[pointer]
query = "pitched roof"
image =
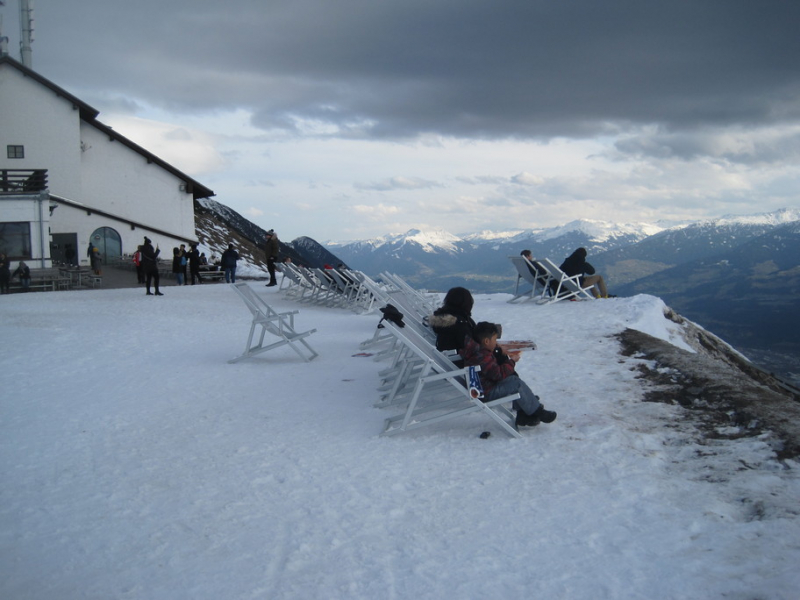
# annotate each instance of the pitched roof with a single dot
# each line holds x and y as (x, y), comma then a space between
(89, 115)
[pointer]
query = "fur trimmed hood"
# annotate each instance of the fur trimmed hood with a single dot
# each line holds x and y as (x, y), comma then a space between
(438, 319)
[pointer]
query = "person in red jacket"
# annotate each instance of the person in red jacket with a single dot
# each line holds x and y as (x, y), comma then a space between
(499, 378)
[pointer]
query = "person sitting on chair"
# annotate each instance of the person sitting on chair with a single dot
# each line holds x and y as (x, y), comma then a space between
(453, 321)
(499, 378)
(575, 264)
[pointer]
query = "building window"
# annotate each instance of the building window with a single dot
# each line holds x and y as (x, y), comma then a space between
(16, 151)
(15, 240)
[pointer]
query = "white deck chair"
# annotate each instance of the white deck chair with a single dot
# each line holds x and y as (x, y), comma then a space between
(430, 401)
(280, 325)
(298, 287)
(425, 303)
(566, 287)
(540, 284)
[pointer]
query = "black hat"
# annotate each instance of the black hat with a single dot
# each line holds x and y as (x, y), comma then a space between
(146, 240)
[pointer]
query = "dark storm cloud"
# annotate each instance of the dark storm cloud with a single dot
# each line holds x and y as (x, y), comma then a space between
(468, 68)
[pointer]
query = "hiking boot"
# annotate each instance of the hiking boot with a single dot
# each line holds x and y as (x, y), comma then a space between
(525, 420)
(544, 415)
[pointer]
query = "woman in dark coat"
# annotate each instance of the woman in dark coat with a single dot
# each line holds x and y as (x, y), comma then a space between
(453, 321)
(575, 264)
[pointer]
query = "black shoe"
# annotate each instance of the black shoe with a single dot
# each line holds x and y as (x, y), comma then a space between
(271, 283)
(148, 294)
(545, 416)
(159, 294)
(525, 420)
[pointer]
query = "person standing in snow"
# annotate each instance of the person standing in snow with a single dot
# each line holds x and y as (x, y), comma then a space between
(150, 265)
(271, 248)
(228, 264)
(177, 266)
(575, 264)
(194, 263)
(499, 378)
(184, 263)
(5, 274)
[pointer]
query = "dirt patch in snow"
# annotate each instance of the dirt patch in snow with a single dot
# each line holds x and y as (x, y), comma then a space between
(728, 397)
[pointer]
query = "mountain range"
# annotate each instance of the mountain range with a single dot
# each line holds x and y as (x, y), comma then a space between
(737, 276)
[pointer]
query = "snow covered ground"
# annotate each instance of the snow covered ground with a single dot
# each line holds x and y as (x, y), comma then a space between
(137, 463)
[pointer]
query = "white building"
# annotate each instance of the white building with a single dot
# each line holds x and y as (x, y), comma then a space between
(67, 180)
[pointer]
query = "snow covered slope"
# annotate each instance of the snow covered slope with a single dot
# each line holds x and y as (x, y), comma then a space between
(137, 463)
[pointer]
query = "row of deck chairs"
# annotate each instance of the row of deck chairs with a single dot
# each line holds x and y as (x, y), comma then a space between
(548, 283)
(340, 288)
(422, 384)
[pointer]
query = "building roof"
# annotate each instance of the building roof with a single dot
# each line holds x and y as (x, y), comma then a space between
(89, 115)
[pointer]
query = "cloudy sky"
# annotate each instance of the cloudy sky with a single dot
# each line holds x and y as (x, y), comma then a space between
(347, 119)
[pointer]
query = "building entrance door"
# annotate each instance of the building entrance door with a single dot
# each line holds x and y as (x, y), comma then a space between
(64, 249)
(108, 242)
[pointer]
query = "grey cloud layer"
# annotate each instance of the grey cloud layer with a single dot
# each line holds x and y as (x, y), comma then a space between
(468, 68)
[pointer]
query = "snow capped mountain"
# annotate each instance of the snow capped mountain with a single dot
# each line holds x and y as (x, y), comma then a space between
(779, 217)
(602, 231)
(428, 241)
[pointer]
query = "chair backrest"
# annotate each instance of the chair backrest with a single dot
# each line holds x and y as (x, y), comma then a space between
(248, 296)
(564, 281)
(423, 348)
(526, 269)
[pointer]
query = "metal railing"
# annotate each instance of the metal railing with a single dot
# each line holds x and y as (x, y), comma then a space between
(22, 181)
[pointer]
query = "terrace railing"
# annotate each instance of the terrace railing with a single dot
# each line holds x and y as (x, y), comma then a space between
(22, 181)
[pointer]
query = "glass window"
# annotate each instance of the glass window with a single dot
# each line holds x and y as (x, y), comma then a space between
(16, 151)
(15, 240)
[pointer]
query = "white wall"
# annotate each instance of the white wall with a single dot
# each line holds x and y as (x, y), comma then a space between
(36, 211)
(120, 181)
(47, 125)
(87, 167)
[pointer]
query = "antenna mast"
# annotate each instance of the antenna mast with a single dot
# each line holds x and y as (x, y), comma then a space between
(26, 31)
(3, 39)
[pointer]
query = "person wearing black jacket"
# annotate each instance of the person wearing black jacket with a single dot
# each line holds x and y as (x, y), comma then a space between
(150, 265)
(228, 263)
(453, 321)
(5, 274)
(194, 263)
(575, 264)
